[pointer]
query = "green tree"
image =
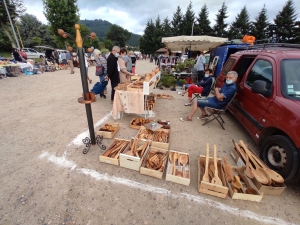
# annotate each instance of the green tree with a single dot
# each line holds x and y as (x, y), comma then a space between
(188, 20)
(118, 35)
(220, 26)
(108, 44)
(148, 42)
(260, 25)
(15, 8)
(166, 28)
(61, 14)
(285, 23)
(202, 26)
(33, 32)
(240, 26)
(177, 22)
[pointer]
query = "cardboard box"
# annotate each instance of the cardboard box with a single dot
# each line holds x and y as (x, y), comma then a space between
(142, 124)
(267, 190)
(109, 160)
(151, 172)
(164, 145)
(209, 188)
(176, 179)
(132, 162)
(243, 196)
(107, 134)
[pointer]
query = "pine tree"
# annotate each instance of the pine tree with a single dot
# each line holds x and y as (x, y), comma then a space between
(147, 44)
(188, 20)
(240, 26)
(260, 25)
(220, 26)
(285, 23)
(202, 26)
(177, 22)
(166, 28)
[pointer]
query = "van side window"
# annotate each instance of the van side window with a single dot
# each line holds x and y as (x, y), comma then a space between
(261, 70)
(228, 65)
(243, 65)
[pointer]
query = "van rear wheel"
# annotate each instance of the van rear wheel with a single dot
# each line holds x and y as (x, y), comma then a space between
(280, 154)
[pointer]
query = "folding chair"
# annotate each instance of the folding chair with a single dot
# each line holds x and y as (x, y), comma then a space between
(198, 95)
(218, 113)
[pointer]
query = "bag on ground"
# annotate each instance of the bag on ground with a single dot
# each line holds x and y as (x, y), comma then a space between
(99, 87)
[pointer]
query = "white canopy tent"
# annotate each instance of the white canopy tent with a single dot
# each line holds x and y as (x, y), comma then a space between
(194, 43)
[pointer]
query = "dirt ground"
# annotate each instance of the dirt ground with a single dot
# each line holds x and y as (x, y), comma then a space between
(45, 178)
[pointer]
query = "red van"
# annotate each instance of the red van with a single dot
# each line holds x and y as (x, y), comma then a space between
(267, 103)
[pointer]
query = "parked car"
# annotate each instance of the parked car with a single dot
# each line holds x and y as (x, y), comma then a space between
(267, 103)
(31, 53)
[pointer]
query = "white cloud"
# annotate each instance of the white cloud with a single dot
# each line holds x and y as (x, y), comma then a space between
(134, 14)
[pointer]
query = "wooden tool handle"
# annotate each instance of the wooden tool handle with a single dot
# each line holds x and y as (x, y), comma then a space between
(215, 161)
(206, 161)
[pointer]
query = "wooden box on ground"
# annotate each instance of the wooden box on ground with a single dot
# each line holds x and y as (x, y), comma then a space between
(209, 188)
(151, 172)
(130, 161)
(165, 124)
(137, 123)
(113, 160)
(106, 133)
(243, 196)
(145, 133)
(267, 190)
(161, 138)
(177, 179)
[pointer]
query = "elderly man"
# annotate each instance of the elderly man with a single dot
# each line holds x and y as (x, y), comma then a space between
(112, 70)
(222, 96)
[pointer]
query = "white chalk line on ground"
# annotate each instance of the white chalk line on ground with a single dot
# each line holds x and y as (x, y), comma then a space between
(83, 135)
(65, 163)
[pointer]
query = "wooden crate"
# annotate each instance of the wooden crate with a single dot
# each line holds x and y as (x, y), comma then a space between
(107, 134)
(177, 179)
(164, 145)
(109, 160)
(137, 127)
(267, 190)
(142, 128)
(243, 196)
(150, 172)
(132, 162)
(209, 188)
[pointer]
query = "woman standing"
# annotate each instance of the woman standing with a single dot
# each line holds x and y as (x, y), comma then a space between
(123, 69)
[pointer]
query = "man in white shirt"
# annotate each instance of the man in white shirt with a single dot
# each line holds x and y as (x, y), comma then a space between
(200, 66)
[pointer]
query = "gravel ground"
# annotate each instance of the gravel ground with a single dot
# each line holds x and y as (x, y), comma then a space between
(45, 178)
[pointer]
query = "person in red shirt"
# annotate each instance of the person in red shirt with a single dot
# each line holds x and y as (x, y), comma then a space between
(23, 54)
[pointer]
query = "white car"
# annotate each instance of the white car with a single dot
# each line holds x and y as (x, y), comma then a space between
(31, 53)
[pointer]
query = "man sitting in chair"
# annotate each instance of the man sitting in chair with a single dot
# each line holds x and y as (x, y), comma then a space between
(222, 96)
(203, 87)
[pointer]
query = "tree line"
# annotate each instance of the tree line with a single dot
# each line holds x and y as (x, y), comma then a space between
(283, 28)
(60, 15)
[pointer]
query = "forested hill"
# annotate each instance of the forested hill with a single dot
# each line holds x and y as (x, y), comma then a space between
(100, 27)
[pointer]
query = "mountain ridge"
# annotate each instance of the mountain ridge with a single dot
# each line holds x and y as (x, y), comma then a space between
(100, 27)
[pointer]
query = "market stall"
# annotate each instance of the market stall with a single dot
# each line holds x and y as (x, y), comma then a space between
(193, 43)
(133, 97)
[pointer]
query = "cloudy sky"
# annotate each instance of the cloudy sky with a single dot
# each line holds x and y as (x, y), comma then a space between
(134, 14)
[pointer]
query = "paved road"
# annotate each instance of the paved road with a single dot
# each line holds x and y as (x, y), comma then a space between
(45, 178)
